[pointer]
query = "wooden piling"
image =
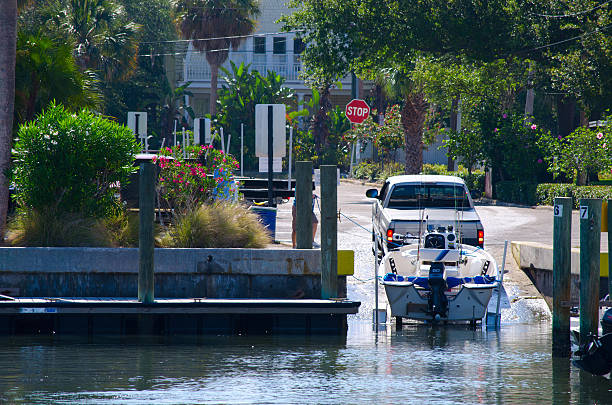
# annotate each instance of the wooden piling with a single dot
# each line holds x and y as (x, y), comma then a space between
(146, 280)
(303, 197)
(329, 232)
(609, 250)
(562, 261)
(590, 238)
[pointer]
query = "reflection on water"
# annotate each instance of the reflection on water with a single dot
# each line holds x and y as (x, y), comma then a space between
(414, 365)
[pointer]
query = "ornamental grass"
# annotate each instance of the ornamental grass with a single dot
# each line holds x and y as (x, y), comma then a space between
(49, 228)
(217, 225)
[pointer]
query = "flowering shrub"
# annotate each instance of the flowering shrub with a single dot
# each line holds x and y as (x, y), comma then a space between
(581, 152)
(206, 174)
(69, 162)
(510, 145)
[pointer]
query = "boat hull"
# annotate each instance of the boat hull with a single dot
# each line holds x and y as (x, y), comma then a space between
(469, 304)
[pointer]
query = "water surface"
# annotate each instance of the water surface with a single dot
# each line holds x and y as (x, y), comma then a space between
(415, 365)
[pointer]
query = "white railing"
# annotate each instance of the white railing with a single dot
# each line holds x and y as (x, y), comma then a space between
(197, 69)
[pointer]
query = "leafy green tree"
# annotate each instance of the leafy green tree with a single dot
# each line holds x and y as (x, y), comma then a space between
(581, 69)
(243, 89)
(71, 163)
(215, 26)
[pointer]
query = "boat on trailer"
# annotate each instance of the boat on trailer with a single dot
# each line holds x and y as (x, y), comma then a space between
(440, 279)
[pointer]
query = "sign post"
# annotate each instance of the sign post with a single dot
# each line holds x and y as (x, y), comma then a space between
(270, 138)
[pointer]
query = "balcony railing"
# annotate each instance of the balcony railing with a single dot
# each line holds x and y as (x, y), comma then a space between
(196, 67)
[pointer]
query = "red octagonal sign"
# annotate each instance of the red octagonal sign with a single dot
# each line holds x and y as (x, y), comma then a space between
(357, 111)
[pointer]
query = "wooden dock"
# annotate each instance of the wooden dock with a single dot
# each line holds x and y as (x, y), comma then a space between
(196, 316)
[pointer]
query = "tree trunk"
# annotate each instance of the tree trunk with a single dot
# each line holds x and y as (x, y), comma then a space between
(31, 106)
(214, 77)
(566, 110)
(320, 125)
(450, 163)
(413, 118)
(8, 43)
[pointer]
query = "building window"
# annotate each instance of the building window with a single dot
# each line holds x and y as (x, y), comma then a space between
(259, 45)
(298, 46)
(279, 45)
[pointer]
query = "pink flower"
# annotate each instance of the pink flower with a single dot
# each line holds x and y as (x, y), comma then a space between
(539, 160)
(599, 135)
(505, 115)
(495, 130)
(560, 137)
(534, 126)
(604, 145)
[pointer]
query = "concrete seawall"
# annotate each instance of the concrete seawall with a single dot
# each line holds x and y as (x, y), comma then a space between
(536, 260)
(179, 273)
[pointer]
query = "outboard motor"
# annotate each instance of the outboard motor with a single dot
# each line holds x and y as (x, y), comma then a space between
(595, 355)
(437, 303)
(606, 322)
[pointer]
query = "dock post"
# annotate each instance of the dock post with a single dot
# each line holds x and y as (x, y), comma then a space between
(146, 210)
(590, 238)
(562, 262)
(609, 250)
(329, 231)
(303, 202)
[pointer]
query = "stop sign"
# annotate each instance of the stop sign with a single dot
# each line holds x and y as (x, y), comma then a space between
(357, 111)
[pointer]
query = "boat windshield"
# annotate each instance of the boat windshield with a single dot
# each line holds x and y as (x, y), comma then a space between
(429, 196)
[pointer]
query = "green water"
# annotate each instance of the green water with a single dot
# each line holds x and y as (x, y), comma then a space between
(415, 365)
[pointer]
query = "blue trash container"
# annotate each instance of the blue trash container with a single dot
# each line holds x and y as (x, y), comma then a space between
(267, 216)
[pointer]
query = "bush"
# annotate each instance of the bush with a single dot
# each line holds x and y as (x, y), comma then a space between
(48, 228)
(374, 172)
(517, 192)
(70, 162)
(219, 225)
(474, 181)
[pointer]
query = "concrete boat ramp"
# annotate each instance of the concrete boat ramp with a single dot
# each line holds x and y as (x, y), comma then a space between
(196, 316)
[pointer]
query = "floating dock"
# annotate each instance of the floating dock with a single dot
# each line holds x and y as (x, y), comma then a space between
(196, 316)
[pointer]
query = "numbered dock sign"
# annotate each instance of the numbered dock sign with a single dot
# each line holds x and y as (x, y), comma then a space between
(584, 212)
(558, 210)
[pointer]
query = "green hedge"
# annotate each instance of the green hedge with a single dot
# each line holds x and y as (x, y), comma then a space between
(547, 192)
(517, 192)
(474, 181)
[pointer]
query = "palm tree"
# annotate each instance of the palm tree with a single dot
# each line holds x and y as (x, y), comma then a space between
(227, 21)
(8, 33)
(414, 110)
(46, 71)
(106, 41)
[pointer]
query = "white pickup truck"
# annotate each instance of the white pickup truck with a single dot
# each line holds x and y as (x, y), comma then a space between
(407, 205)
